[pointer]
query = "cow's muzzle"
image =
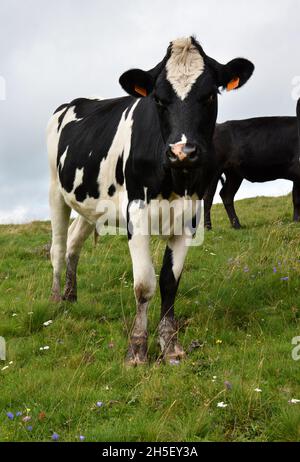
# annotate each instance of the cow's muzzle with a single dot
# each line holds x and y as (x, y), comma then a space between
(183, 154)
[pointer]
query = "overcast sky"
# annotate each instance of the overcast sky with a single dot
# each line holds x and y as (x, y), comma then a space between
(54, 51)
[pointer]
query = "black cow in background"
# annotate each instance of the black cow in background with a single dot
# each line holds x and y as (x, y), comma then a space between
(258, 150)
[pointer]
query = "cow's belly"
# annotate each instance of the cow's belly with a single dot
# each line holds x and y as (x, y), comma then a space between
(161, 217)
(113, 208)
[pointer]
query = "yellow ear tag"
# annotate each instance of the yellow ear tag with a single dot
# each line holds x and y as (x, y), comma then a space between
(141, 91)
(234, 83)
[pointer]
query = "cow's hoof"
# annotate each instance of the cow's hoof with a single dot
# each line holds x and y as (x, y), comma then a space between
(55, 298)
(137, 351)
(69, 297)
(134, 361)
(174, 352)
(236, 225)
(208, 226)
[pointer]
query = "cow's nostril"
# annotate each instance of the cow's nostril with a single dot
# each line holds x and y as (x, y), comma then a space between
(189, 149)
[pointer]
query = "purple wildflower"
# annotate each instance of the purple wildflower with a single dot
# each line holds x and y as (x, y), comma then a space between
(18, 414)
(99, 404)
(286, 278)
(228, 385)
(55, 436)
(29, 428)
(10, 415)
(82, 438)
(274, 269)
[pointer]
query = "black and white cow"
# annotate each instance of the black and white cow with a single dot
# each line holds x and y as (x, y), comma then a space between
(258, 150)
(154, 144)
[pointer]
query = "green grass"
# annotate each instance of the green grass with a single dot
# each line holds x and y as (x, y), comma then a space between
(230, 300)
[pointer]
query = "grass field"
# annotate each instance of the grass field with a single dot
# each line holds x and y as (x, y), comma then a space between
(238, 303)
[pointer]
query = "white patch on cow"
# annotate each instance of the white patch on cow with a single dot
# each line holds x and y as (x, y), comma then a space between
(63, 158)
(78, 178)
(70, 116)
(179, 247)
(184, 66)
(120, 145)
(182, 141)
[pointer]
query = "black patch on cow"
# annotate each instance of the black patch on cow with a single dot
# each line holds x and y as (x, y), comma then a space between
(88, 141)
(168, 285)
(111, 190)
(119, 170)
(61, 117)
(61, 107)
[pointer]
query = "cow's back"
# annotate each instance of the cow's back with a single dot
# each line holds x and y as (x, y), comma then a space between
(260, 149)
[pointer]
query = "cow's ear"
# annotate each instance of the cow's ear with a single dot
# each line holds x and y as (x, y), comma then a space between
(235, 74)
(137, 83)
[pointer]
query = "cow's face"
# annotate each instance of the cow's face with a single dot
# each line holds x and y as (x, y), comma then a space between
(184, 88)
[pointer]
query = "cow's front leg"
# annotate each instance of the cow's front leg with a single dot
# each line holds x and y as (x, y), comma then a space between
(173, 262)
(144, 287)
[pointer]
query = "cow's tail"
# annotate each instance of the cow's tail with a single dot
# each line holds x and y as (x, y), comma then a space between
(298, 118)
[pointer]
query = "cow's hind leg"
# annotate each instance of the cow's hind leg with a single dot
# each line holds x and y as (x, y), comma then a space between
(173, 262)
(296, 200)
(78, 232)
(60, 215)
(227, 193)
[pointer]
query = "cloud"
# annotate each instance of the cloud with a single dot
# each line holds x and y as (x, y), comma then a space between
(52, 52)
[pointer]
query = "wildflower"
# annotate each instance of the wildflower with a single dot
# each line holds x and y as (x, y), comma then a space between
(29, 428)
(44, 348)
(228, 385)
(218, 341)
(286, 278)
(221, 404)
(47, 323)
(99, 404)
(258, 390)
(18, 414)
(246, 269)
(294, 401)
(82, 438)
(274, 269)
(10, 415)
(27, 418)
(55, 436)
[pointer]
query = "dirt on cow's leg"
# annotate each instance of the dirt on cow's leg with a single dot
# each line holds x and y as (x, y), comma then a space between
(70, 293)
(138, 347)
(55, 291)
(170, 347)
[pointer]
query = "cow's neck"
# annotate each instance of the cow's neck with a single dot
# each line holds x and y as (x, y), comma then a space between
(184, 182)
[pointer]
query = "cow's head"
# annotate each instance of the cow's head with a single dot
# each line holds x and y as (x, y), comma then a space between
(184, 87)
